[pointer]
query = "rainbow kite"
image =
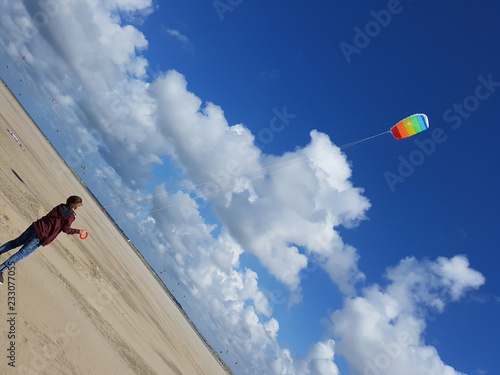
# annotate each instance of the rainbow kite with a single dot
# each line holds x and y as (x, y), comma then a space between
(409, 126)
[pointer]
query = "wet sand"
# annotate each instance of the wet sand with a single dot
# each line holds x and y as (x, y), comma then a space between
(79, 306)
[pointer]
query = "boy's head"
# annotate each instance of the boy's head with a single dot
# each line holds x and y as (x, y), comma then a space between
(74, 202)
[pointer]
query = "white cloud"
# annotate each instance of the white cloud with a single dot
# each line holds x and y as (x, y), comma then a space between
(177, 35)
(320, 358)
(295, 207)
(229, 301)
(458, 276)
(381, 332)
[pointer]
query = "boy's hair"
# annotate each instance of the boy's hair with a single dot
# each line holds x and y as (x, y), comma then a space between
(73, 201)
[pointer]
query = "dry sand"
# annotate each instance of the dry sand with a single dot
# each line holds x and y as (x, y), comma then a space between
(81, 306)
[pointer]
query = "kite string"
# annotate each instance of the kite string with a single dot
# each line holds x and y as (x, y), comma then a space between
(363, 140)
(201, 195)
(191, 187)
(296, 161)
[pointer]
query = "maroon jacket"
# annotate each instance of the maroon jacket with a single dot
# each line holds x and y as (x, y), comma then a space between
(58, 220)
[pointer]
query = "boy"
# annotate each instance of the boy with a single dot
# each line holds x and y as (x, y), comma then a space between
(43, 231)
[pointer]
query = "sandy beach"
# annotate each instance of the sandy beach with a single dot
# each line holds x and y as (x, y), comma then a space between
(79, 306)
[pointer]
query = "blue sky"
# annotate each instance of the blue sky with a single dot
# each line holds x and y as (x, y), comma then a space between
(321, 267)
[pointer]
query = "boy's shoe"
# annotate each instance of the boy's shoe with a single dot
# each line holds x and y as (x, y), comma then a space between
(1, 277)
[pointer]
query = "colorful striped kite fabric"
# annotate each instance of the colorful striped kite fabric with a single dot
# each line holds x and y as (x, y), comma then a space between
(409, 126)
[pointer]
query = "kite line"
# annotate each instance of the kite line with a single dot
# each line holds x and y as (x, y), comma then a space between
(405, 128)
(296, 161)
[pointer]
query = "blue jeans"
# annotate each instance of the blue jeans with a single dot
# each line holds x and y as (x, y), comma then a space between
(30, 242)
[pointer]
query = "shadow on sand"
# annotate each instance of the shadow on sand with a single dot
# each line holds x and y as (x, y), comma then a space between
(19, 178)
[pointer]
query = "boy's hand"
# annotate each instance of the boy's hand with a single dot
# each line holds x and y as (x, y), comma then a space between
(83, 234)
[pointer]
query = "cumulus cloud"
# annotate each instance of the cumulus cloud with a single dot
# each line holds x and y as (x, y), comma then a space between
(319, 360)
(381, 332)
(283, 212)
(457, 275)
(237, 309)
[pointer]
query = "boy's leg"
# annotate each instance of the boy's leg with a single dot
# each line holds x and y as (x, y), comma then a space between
(30, 246)
(21, 240)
